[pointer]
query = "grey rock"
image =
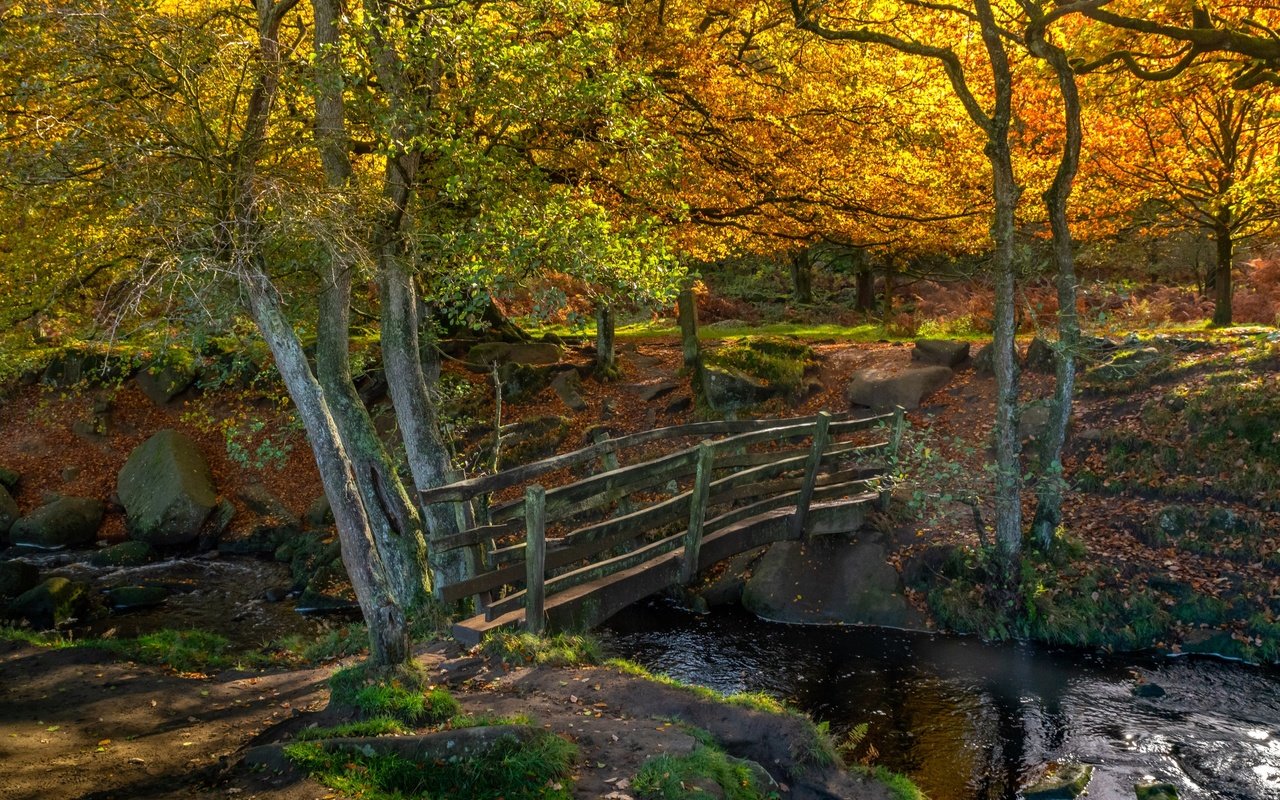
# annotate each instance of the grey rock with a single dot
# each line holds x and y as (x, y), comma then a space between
(1041, 357)
(258, 499)
(481, 356)
(1032, 421)
(9, 479)
(163, 381)
(65, 522)
(522, 381)
(17, 577)
(940, 352)
(1067, 782)
(568, 387)
(166, 490)
(984, 361)
(9, 513)
(532, 439)
(830, 580)
(319, 513)
(125, 554)
(652, 391)
(728, 390)
(50, 604)
(877, 387)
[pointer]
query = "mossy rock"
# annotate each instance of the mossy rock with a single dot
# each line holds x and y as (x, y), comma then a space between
(66, 522)
(9, 479)
(50, 604)
(17, 577)
(9, 513)
(1155, 791)
(1169, 524)
(532, 439)
(1067, 782)
(166, 377)
(128, 598)
(125, 554)
(776, 366)
(166, 489)
(523, 381)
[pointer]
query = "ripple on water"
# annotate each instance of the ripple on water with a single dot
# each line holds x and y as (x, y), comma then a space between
(970, 721)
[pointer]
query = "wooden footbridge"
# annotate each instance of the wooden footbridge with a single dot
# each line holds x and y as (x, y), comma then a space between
(569, 557)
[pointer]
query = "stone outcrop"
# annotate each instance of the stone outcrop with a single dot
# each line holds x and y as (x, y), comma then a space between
(481, 356)
(66, 522)
(166, 490)
(830, 579)
(940, 352)
(884, 388)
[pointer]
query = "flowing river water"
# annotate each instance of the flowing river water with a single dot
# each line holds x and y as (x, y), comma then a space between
(973, 721)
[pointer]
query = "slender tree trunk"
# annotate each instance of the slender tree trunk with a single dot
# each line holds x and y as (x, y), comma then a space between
(1050, 488)
(687, 311)
(802, 276)
(1222, 278)
(606, 355)
(886, 302)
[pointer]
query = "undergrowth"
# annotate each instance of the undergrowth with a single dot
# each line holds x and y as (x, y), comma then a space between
(560, 650)
(692, 776)
(537, 769)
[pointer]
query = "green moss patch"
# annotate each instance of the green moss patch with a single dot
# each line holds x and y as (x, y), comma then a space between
(706, 772)
(559, 650)
(779, 363)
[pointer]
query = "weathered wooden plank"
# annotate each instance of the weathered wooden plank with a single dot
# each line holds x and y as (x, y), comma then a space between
(843, 425)
(592, 572)
(466, 489)
(535, 517)
(736, 515)
(820, 438)
(474, 536)
(597, 490)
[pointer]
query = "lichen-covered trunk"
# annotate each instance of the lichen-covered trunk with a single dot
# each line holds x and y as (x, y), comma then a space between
(1051, 485)
(1224, 245)
(606, 354)
(388, 626)
(393, 518)
(416, 414)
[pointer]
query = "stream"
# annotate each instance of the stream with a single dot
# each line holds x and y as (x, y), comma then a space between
(974, 721)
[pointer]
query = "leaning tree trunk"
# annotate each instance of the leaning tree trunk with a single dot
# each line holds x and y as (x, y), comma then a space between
(1222, 283)
(1051, 485)
(606, 354)
(388, 628)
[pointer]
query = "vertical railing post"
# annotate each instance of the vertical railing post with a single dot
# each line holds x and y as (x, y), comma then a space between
(821, 438)
(610, 463)
(891, 454)
(698, 510)
(535, 558)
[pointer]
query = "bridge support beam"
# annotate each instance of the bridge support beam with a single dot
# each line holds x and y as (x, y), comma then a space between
(821, 438)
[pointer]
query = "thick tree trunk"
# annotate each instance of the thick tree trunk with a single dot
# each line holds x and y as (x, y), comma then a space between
(866, 289)
(1222, 278)
(1051, 485)
(606, 355)
(802, 276)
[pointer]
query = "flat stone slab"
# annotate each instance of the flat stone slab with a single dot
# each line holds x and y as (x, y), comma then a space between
(885, 388)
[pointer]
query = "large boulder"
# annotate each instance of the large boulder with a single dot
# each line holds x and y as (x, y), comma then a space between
(50, 604)
(166, 490)
(830, 580)
(730, 389)
(9, 478)
(480, 357)
(66, 522)
(940, 352)
(1041, 357)
(17, 577)
(568, 387)
(9, 513)
(879, 387)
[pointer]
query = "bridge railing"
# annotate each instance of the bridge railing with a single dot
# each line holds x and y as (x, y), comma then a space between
(550, 540)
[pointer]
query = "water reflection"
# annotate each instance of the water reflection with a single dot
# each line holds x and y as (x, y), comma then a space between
(971, 721)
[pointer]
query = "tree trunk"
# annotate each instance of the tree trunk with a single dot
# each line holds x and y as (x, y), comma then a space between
(416, 415)
(606, 355)
(1050, 486)
(1006, 192)
(887, 301)
(866, 289)
(388, 628)
(687, 310)
(802, 276)
(1222, 279)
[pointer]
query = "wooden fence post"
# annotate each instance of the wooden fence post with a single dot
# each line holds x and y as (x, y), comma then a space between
(698, 510)
(610, 463)
(535, 555)
(821, 438)
(891, 454)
